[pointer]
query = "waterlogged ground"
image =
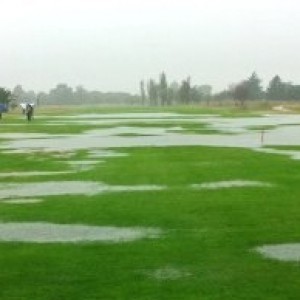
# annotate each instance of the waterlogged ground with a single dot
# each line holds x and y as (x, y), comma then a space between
(149, 206)
(283, 252)
(54, 188)
(160, 130)
(61, 233)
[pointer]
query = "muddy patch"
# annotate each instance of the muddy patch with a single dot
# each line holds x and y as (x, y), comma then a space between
(60, 233)
(56, 188)
(282, 252)
(230, 184)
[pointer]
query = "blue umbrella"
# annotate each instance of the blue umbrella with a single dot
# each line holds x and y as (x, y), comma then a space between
(3, 108)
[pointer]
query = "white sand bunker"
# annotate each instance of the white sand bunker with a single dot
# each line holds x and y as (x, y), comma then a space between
(167, 273)
(230, 184)
(57, 233)
(56, 188)
(283, 252)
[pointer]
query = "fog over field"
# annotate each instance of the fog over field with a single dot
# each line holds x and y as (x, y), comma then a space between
(112, 45)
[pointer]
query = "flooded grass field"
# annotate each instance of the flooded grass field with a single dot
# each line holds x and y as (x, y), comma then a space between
(137, 205)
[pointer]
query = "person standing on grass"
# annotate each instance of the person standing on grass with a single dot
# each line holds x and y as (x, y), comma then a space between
(29, 111)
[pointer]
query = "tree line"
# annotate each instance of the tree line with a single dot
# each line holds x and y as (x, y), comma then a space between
(251, 89)
(63, 94)
(161, 93)
(158, 93)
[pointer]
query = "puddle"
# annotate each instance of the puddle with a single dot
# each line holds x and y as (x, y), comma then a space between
(282, 252)
(123, 116)
(167, 273)
(230, 184)
(105, 153)
(56, 188)
(21, 151)
(100, 139)
(61, 233)
(63, 154)
(129, 132)
(116, 137)
(137, 115)
(291, 153)
(23, 135)
(83, 165)
(33, 173)
(23, 201)
(76, 166)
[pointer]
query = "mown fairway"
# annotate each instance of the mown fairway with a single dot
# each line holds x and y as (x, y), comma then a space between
(206, 250)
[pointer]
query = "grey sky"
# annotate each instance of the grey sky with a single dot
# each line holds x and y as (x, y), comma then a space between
(111, 45)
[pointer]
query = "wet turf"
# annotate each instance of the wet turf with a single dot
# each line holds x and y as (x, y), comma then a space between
(207, 247)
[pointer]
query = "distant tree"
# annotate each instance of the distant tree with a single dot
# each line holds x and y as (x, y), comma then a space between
(223, 95)
(240, 93)
(205, 89)
(142, 91)
(255, 91)
(80, 95)
(61, 94)
(163, 89)
(152, 92)
(205, 92)
(195, 95)
(18, 93)
(30, 96)
(173, 92)
(292, 92)
(41, 98)
(171, 96)
(276, 89)
(5, 96)
(185, 91)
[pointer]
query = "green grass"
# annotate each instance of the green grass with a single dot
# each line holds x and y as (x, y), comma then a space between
(284, 147)
(253, 109)
(208, 233)
(39, 125)
(262, 127)
(186, 127)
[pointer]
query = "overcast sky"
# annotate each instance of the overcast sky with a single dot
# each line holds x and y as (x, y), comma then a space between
(110, 45)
